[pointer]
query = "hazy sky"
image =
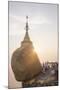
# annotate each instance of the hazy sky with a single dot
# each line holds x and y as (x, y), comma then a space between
(43, 29)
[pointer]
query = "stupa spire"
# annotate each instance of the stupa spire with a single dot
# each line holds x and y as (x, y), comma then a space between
(27, 27)
(26, 38)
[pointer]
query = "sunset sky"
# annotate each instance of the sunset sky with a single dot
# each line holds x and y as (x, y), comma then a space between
(43, 30)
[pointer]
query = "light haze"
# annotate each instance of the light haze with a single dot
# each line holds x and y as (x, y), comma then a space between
(43, 31)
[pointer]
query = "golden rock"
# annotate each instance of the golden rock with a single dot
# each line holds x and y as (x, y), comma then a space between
(25, 62)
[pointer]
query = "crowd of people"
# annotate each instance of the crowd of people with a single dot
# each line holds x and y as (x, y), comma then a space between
(48, 76)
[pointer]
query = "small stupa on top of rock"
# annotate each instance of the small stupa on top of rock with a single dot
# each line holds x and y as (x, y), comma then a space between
(25, 62)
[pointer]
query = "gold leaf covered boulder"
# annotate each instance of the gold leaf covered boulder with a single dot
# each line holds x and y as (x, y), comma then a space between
(25, 63)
